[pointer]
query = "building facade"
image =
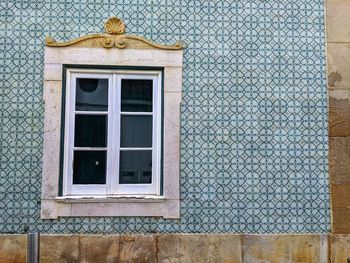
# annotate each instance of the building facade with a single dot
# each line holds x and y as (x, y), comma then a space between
(253, 127)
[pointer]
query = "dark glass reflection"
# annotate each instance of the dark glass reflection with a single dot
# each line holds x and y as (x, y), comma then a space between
(89, 167)
(136, 131)
(90, 131)
(136, 95)
(91, 94)
(135, 167)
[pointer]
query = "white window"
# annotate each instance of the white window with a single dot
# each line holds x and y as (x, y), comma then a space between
(112, 134)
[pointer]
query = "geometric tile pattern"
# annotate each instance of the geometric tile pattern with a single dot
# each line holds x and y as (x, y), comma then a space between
(254, 113)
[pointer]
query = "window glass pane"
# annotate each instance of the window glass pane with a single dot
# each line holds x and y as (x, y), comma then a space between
(90, 131)
(136, 131)
(135, 167)
(89, 167)
(136, 95)
(91, 94)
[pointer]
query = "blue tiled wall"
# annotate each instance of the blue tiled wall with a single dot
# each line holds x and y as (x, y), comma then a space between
(254, 114)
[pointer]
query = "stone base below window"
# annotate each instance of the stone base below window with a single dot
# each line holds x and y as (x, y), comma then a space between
(181, 248)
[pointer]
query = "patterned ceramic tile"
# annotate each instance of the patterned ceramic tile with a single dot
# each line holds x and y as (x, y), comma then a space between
(254, 115)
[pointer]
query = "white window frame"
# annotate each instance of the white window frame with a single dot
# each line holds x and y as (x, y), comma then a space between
(57, 61)
(112, 186)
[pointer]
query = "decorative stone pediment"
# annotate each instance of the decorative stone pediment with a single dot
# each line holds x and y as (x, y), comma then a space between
(112, 38)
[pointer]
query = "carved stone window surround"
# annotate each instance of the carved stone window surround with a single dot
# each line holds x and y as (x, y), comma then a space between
(120, 50)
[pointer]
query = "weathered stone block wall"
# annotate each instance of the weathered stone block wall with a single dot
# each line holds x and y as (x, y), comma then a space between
(338, 42)
(180, 248)
(176, 248)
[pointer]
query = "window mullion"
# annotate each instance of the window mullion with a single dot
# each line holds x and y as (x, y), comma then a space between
(110, 168)
(116, 132)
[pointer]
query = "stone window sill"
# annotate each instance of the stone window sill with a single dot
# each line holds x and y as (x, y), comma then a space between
(96, 206)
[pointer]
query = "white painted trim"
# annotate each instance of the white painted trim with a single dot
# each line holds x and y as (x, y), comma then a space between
(115, 140)
(70, 113)
(91, 112)
(136, 113)
(112, 185)
(154, 187)
(171, 61)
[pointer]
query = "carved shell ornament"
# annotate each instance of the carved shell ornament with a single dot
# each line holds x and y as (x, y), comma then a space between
(114, 26)
(112, 38)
